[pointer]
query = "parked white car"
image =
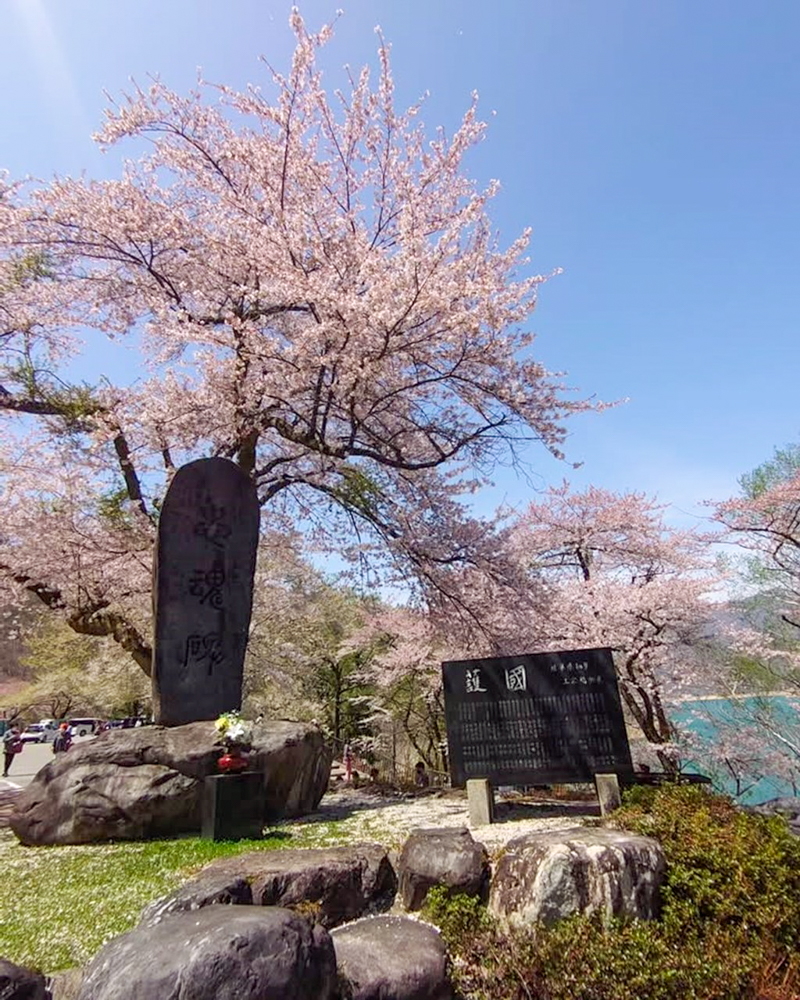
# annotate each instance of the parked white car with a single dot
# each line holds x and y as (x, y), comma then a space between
(49, 729)
(43, 731)
(83, 727)
(34, 733)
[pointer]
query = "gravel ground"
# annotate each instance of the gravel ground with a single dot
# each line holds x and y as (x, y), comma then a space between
(350, 815)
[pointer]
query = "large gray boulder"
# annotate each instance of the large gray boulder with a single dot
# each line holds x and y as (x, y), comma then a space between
(333, 884)
(219, 953)
(547, 876)
(205, 889)
(391, 958)
(134, 784)
(19, 983)
(446, 857)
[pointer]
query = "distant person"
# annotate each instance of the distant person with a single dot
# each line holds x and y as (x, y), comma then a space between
(12, 745)
(63, 740)
(374, 775)
(347, 760)
(421, 777)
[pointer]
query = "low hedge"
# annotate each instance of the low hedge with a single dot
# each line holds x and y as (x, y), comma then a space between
(729, 927)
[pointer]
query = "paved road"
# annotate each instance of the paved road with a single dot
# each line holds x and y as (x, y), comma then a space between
(32, 759)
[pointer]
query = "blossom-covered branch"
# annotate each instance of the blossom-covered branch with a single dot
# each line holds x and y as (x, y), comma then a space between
(315, 292)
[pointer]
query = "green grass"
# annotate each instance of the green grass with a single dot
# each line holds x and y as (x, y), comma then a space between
(61, 904)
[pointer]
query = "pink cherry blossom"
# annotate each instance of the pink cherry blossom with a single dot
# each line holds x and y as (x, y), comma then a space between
(310, 287)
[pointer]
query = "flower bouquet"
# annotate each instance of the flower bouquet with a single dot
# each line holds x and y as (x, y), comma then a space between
(235, 735)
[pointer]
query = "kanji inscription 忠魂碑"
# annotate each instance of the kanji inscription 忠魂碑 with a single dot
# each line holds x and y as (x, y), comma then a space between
(203, 591)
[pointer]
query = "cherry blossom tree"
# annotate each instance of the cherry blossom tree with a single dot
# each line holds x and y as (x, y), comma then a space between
(77, 674)
(407, 646)
(299, 663)
(765, 520)
(308, 286)
(404, 675)
(745, 741)
(619, 576)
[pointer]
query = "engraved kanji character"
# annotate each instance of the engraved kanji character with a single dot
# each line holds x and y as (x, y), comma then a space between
(207, 585)
(473, 681)
(516, 678)
(203, 649)
(212, 525)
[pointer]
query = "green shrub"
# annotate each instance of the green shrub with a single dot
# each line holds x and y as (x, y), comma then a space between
(727, 870)
(729, 929)
(580, 959)
(457, 916)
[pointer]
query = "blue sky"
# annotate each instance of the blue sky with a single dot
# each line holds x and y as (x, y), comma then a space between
(654, 147)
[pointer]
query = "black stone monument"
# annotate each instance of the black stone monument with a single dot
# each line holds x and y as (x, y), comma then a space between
(233, 806)
(203, 591)
(541, 718)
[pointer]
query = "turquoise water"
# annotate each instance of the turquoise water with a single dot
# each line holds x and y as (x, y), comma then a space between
(785, 712)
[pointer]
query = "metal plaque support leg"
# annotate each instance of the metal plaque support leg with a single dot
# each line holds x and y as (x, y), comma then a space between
(608, 793)
(480, 801)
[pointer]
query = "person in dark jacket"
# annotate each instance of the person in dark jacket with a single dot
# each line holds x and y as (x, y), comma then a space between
(63, 740)
(12, 745)
(421, 777)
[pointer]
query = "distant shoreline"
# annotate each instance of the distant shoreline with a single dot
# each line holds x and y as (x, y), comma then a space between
(736, 697)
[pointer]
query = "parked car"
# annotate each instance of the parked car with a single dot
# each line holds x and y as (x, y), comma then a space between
(35, 733)
(49, 729)
(133, 721)
(83, 727)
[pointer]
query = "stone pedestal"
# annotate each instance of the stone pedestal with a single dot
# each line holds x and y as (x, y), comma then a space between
(233, 806)
(480, 801)
(608, 793)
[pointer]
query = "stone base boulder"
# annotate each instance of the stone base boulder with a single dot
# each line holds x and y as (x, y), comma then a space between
(333, 885)
(545, 877)
(391, 958)
(19, 983)
(135, 784)
(219, 953)
(447, 857)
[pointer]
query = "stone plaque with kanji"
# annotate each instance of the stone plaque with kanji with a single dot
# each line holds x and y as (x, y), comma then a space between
(203, 591)
(540, 718)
